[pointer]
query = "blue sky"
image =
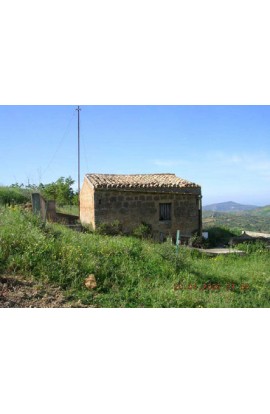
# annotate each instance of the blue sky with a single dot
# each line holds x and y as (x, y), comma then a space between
(225, 149)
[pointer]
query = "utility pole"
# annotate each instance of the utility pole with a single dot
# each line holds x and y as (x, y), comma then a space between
(79, 178)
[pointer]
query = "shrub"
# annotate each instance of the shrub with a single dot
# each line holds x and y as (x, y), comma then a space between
(111, 229)
(143, 231)
(198, 241)
(10, 196)
(220, 235)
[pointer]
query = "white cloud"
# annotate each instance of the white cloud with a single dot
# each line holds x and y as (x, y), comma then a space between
(257, 163)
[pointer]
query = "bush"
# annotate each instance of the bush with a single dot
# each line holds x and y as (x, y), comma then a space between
(198, 241)
(10, 196)
(221, 235)
(143, 231)
(111, 229)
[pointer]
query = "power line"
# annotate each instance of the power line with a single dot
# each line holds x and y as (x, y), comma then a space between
(85, 152)
(59, 144)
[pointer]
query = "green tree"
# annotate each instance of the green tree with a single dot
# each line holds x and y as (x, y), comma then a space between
(61, 191)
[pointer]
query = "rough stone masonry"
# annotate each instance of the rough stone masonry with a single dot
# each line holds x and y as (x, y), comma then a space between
(165, 202)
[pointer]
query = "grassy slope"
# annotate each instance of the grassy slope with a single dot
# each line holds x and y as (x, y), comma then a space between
(130, 272)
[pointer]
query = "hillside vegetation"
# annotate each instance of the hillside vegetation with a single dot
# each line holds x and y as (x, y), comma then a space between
(253, 220)
(130, 272)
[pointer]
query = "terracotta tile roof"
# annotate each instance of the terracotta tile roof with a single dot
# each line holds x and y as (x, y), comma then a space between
(139, 181)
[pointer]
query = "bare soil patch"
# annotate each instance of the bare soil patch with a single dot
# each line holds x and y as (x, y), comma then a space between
(18, 291)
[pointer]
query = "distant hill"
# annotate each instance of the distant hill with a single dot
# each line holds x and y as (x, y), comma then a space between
(228, 207)
(257, 219)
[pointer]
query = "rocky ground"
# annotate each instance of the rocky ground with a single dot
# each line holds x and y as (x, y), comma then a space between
(20, 292)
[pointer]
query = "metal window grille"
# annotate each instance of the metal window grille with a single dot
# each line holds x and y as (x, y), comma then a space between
(165, 211)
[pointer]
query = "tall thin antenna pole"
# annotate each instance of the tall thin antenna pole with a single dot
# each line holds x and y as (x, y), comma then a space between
(79, 178)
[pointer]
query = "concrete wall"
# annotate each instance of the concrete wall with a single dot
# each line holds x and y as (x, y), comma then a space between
(51, 210)
(46, 209)
(39, 205)
(132, 208)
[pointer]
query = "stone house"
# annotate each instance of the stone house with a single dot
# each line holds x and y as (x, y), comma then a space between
(163, 201)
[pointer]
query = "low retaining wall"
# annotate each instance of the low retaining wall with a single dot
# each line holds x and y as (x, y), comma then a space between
(47, 211)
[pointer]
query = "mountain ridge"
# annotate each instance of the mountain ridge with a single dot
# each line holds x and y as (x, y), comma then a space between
(229, 206)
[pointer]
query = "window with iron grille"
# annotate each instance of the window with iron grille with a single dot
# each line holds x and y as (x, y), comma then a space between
(165, 211)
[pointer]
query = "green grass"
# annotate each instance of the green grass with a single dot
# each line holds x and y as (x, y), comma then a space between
(130, 272)
(69, 209)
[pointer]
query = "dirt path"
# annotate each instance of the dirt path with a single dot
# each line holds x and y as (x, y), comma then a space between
(21, 292)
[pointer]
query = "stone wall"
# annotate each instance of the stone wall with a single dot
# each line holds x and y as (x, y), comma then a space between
(131, 208)
(87, 215)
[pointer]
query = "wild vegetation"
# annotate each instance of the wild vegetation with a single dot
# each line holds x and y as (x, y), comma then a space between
(130, 272)
(60, 191)
(13, 195)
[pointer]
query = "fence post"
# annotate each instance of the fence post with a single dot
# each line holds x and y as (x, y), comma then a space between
(177, 240)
